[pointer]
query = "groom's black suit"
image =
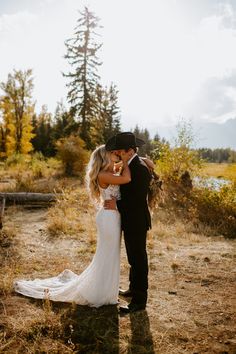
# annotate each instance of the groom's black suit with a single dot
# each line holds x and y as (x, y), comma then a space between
(136, 220)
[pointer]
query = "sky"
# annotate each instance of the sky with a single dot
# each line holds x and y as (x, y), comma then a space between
(169, 58)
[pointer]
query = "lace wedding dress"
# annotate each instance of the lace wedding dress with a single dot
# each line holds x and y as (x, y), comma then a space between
(98, 284)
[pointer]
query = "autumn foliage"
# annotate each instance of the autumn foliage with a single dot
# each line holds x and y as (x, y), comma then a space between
(17, 112)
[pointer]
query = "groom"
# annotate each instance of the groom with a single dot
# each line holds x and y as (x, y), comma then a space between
(135, 219)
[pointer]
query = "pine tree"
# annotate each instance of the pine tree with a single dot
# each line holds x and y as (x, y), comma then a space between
(156, 137)
(144, 135)
(17, 111)
(107, 122)
(82, 56)
(111, 109)
(64, 123)
(43, 141)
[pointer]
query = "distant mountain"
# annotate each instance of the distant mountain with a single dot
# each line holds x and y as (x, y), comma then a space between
(218, 135)
(212, 135)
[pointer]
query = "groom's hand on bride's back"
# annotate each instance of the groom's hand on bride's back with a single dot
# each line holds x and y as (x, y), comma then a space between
(110, 204)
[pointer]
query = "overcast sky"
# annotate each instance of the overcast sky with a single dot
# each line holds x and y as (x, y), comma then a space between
(169, 58)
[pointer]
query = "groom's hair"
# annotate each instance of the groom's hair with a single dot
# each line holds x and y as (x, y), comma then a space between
(134, 148)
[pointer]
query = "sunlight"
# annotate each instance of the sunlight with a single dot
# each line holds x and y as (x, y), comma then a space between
(162, 55)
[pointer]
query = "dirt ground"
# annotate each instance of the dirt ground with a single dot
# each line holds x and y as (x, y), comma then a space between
(192, 292)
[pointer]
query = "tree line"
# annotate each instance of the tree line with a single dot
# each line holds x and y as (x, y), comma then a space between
(93, 114)
(23, 131)
(218, 155)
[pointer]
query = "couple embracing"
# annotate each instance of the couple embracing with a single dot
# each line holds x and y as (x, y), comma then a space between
(123, 207)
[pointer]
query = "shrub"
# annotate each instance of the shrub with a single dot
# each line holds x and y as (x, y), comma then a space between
(38, 165)
(173, 161)
(16, 159)
(176, 166)
(74, 156)
(217, 208)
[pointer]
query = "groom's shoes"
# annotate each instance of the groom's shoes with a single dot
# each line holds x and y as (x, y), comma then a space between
(125, 293)
(132, 308)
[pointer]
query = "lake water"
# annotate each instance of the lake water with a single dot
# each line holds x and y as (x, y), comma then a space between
(210, 182)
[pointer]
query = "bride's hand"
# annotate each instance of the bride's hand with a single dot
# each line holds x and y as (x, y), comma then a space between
(150, 164)
(118, 166)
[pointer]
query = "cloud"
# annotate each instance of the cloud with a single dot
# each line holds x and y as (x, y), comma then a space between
(14, 39)
(213, 45)
(13, 23)
(35, 40)
(216, 99)
(228, 14)
(164, 66)
(186, 70)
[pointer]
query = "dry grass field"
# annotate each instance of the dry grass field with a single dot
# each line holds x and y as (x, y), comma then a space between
(219, 170)
(192, 292)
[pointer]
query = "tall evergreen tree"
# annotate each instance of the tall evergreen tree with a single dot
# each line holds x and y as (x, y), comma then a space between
(17, 111)
(43, 129)
(111, 108)
(64, 123)
(107, 122)
(144, 135)
(82, 56)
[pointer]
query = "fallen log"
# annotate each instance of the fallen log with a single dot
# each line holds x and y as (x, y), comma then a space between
(32, 200)
(2, 209)
(28, 198)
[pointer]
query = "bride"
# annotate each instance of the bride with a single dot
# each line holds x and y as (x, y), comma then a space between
(98, 284)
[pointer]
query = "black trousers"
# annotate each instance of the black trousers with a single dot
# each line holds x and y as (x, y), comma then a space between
(135, 243)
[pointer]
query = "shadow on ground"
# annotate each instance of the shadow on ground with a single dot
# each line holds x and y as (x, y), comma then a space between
(141, 336)
(96, 330)
(92, 330)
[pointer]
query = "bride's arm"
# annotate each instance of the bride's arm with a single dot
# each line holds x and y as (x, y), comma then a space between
(106, 178)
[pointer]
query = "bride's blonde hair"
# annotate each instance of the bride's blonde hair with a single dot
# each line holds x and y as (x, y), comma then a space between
(99, 160)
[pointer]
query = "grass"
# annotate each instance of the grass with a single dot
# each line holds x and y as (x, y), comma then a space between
(191, 276)
(191, 288)
(34, 174)
(64, 218)
(219, 170)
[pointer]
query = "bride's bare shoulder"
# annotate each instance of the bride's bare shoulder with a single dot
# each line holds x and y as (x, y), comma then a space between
(102, 180)
(104, 174)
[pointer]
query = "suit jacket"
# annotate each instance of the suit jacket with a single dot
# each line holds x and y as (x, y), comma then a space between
(133, 206)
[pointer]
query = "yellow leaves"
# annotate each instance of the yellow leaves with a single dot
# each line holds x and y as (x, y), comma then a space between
(27, 135)
(10, 145)
(17, 112)
(74, 156)
(24, 125)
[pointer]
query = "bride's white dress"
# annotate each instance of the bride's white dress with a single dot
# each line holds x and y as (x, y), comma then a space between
(98, 284)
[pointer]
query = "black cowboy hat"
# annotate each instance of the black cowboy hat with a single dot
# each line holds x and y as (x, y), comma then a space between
(122, 141)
